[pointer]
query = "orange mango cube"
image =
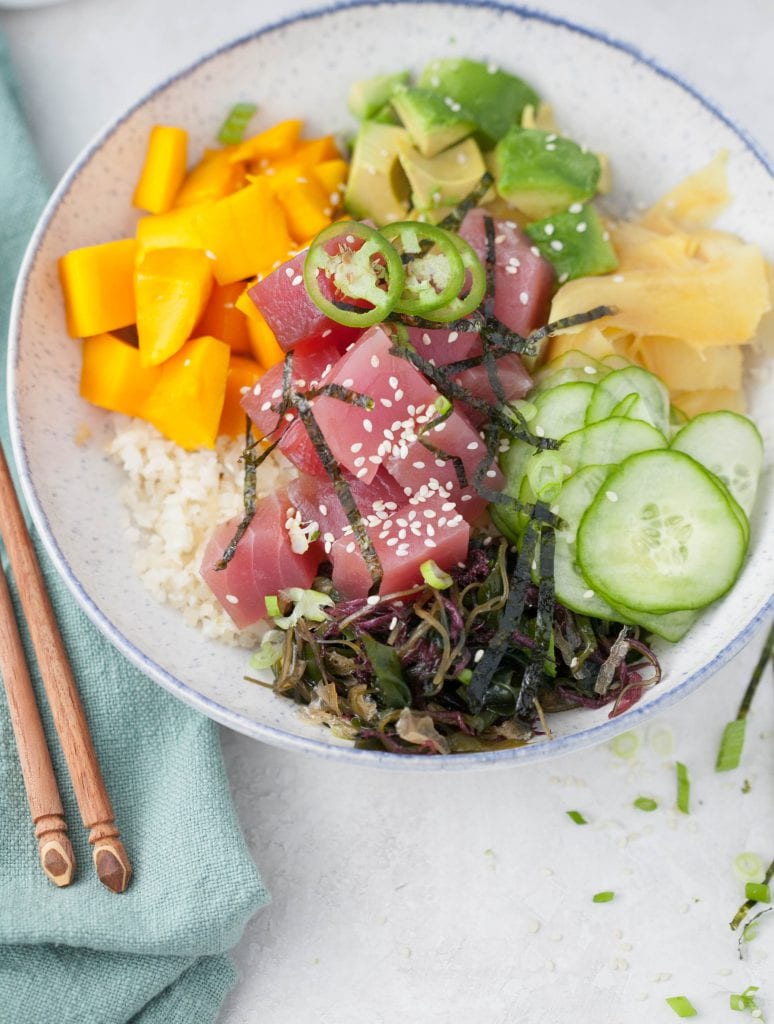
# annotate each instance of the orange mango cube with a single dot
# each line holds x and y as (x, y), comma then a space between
(187, 401)
(215, 176)
(172, 288)
(112, 377)
(164, 169)
(243, 375)
(223, 319)
(98, 287)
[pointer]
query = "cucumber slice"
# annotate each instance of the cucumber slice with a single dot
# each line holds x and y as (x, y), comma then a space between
(730, 446)
(608, 442)
(660, 536)
(572, 589)
(632, 380)
(562, 409)
(570, 366)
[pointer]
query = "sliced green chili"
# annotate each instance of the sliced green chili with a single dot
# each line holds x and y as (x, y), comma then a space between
(462, 305)
(370, 272)
(433, 265)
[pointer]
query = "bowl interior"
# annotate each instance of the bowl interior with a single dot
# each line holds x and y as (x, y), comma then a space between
(654, 130)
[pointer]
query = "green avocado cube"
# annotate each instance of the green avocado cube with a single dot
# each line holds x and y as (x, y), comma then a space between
(482, 93)
(377, 187)
(431, 123)
(575, 242)
(444, 179)
(541, 173)
(369, 96)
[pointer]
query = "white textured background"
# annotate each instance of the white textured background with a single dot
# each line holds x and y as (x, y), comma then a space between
(468, 898)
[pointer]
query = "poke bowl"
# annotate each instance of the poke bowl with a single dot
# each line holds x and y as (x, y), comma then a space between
(654, 130)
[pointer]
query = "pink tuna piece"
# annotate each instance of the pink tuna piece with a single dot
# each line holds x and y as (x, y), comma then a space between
(293, 317)
(443, 347)
(361, 439)
(312, 365)
(316, 500)
(403, 542)
(263, 563)
(523, 280)
(427, 475)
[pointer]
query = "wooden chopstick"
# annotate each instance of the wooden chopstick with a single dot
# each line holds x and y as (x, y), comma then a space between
(56, 853)
(110, 859)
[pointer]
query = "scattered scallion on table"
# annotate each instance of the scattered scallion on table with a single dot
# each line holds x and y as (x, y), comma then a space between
(682, 1006)
(603, 897)
(683, 788)
(577, 817)
(732, 743)
(645, 803)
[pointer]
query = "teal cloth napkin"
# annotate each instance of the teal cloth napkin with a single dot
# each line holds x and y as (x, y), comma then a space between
(159, 952)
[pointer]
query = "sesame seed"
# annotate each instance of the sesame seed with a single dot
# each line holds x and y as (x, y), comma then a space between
(556, 245)
(393, 382)
(589, 369)
(473, 446)
(453, 335)
(611, 496)
(418, 465)
(350, 547)
(231, 599)
(375, 361)
(581, 226)
(491, 473)
(325, 333)
(429, 542)
(617, 278)
(359, 461)
(361, 473)
(576, 208)
(356, 447)
(266, 406)
(386, 402)
(534, 250)
(392, 542)
(499, 239)
(399, 394)
(347, 383)
(478, 655)
(563, 277)
(373, 599)
(368, 426)
(426, 339)
(289, 272)
(588, 594)
(548, 229)
(448, 506)
(511, 270)
(375, 460)
(297, 280)
(524, 298)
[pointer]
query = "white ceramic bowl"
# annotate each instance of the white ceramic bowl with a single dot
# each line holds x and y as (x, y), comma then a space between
(655, 129)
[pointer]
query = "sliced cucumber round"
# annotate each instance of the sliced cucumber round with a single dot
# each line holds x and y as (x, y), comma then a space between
(653, 404)
(730, 446)
(609, 442)
(660, 536)
(562, 409)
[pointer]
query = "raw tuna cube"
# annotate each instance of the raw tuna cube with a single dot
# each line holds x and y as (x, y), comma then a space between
(291, 314)
(523, 280)
(316, 500)
(402, 543)
(360, 439)
(426, 475)
(442, 346)
(263, 564)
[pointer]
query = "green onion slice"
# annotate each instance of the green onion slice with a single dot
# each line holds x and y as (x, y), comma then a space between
(272, 606)
(233, 128)
(358, 264)
(731, 746)
(682, 1006)
(432, 263)
(603, 897)
(577, 817)
(748, 867)
(434, 576)
(645, 803)
(683, 788)
(757, 891)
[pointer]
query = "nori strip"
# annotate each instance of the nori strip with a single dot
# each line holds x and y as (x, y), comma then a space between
(510, 617)
(570, 321)
(341, 487)
(452, 220)
(490, 266)
(544, 620)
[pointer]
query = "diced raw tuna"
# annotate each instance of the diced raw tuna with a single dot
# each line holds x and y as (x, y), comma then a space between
(426, 475)
(293, 317)
(443, 347)
(310, 363)
(403, 542)
(523, 281)
(361, 439)
(316, 500)
(263, 563)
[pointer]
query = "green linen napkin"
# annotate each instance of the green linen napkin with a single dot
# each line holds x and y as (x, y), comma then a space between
(159, 952)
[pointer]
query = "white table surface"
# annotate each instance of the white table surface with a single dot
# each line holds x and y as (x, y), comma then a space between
(434, 899)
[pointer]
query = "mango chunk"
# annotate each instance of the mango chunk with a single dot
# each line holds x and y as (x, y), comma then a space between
(98, 287)
(172, 288)
(332, 175)
(242, 376)
(245, 233)
(112, 376)
(272, 144)
(215, 176)
(187, 401)
(222, 319)
(173, 230)
(307, 208)
(164, 169)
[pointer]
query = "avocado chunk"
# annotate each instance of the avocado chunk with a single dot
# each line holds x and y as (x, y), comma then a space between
(444, 179)
(377, 188)
(575, 241)
(541, 173)
(430, 122)
(491, 98)
(369, 96)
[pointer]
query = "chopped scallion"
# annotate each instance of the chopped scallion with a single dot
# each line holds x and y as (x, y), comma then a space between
(603, 897)
(272, 606)
(434, 576)
(731, 745)
(577, 817)
(683, 788)
(645, 803)
(758, 891)
(682, 1006)
(626, 745)
(748, 867)
(744, 1000)
(233, 128)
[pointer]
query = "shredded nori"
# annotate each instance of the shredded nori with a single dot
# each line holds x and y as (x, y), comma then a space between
(452, 220)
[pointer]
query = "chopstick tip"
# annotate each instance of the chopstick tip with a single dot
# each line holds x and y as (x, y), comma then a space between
(112, 864)
(57, 858)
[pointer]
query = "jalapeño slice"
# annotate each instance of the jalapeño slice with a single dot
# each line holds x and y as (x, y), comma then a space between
(475, 276)
(434, 269)
(359, 265)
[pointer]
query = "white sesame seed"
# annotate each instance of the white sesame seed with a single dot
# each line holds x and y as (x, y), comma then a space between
(356, 447)
(325, 333)
(375, 361)
(478, 655)
(399, 394)
(588, 594)
(265, 406)
(361, 473)
(373, 599)
(297, 280)
(418, 465)
(231, 599)
(611, 496)
(511, 270)
(368, 426)
(257, 389)
(524, 298)
(576, 208)
(453, 335)
(499, 239)
(617, 278)
(556, 245)
(581, 226)
(386, 402)
(491, 473)
(350, 547)
(429, 542)
(289, 272)
(392, 542)
(548, 229)
(359, 461)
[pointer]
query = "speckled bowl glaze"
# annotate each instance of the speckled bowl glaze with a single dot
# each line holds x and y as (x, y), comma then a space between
(655, 129)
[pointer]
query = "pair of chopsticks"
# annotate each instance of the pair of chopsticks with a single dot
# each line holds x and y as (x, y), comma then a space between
(56, 853)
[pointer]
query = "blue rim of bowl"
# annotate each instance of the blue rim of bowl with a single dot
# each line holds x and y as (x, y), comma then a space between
(531, 752)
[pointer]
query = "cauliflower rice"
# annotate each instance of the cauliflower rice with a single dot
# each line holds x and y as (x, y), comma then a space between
(175, 499)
